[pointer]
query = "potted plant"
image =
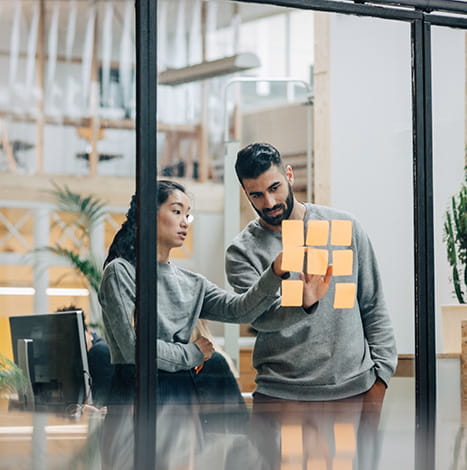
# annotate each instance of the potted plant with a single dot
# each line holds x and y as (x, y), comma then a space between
(85, 211)
(12, 381)
(455, 237)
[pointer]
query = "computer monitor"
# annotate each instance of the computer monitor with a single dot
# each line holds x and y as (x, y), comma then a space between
(55, 358)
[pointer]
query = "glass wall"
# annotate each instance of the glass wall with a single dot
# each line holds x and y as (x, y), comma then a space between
(332, 93)
(67, 167)
(449, 182)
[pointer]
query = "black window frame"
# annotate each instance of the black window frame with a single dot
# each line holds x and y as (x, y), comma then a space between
(421, 14)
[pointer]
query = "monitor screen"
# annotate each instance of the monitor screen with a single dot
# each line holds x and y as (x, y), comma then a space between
(58, 366)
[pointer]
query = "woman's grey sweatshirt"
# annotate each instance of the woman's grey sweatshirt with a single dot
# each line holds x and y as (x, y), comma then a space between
(182, 298)
(326, 354)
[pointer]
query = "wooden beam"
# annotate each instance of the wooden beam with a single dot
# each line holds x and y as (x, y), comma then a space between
(40, 86)
(94, 99)
(203, 147)
(7, 147)
(62, 59)
(321, 121)
(125, 124)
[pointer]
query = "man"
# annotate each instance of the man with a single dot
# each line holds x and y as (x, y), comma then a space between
(316, 354)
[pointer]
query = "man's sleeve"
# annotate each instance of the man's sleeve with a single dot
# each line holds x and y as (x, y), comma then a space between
(374, 312)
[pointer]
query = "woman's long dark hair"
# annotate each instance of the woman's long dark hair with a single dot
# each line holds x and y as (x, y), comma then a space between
(124, 242)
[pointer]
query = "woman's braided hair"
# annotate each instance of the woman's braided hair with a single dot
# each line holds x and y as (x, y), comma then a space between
(124, 242)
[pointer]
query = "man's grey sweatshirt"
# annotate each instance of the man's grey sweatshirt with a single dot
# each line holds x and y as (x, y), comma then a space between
(182, 298)
(326, 354)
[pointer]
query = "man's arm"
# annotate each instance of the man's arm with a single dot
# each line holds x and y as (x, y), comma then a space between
(374, 312)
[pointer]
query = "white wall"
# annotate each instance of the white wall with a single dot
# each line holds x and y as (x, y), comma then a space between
(448, 140)
(371, 145)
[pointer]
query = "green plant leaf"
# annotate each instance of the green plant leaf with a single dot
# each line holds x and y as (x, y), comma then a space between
(455, 237)
(12, 379)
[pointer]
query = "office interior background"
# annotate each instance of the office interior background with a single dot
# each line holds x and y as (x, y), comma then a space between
(331, 91)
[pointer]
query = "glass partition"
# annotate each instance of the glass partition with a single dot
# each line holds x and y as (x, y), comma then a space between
(67, 168)
(332, 93)
(355, 109)
(448, 66)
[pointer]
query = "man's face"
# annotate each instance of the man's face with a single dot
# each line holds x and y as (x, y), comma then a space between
(271, 194)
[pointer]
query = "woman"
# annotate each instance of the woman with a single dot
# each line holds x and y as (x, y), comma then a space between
(183, 297)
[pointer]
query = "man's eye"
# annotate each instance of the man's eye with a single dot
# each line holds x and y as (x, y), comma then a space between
(176, 211)
(274, 188)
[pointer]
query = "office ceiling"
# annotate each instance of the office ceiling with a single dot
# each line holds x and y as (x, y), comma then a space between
(225, 11)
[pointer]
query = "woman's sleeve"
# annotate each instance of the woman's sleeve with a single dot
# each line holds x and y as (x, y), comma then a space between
(173, 357)
(229, 307)
(117, 298)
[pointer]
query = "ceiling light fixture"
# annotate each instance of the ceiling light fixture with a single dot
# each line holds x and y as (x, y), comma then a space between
(50, 291)
(209, 69)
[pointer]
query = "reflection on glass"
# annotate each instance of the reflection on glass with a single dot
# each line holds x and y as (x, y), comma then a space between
(67, 110)
(449, 174)
(195, 382)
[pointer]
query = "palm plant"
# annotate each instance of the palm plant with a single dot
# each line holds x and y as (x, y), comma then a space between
(455, 236)
(86, 211)
(12, 379)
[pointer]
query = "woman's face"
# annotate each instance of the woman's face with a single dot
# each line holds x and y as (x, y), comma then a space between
(173, 220)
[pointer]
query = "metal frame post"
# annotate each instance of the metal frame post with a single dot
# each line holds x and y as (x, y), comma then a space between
(425, 340)
(146, 268)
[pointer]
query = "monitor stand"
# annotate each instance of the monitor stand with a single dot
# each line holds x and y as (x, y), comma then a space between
(24, 363)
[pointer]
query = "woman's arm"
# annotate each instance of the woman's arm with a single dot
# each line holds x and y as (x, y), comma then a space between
(173, 357)
(263, 298)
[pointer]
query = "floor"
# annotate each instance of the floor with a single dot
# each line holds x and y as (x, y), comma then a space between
(65, 443)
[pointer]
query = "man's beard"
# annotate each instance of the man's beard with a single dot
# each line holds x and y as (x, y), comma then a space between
(284, 215)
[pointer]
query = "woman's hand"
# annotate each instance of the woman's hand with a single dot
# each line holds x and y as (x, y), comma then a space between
(315, 287)
(205, 346)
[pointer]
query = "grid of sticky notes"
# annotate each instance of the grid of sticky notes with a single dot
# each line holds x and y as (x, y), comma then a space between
(338, 233)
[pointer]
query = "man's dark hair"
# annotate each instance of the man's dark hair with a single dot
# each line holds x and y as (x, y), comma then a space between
(72, 308)
(255, 159)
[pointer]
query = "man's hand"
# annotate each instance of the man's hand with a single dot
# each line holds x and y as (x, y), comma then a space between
(315, 287)
(205, 346)
(376, 393)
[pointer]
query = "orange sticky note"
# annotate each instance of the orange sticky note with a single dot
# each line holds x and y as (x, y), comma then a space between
(317, 232)
(292, 293)
(292, 258)
(344, 438)
(342, 262)
(345, 295)
(341, 232)
(317, 261)
(292, 233)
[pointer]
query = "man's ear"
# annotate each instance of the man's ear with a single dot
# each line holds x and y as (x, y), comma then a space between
(289, 174)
